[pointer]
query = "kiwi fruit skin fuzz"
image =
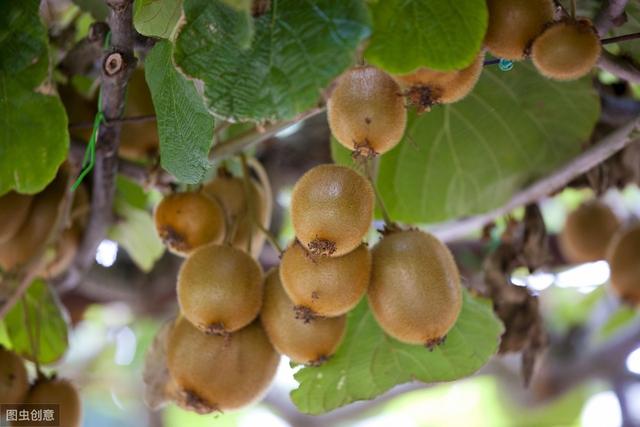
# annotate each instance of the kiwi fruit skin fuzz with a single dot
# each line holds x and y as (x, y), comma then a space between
(58, 392)
(310, 343)
(415, 292)
(14, 208)
(215, 373)
(366, 112)
(220, 289)
(624, 261)
(37, 227)
(514, 24)
(186, 221)
(14, 382)
(229, 191)
(587, 232)
(331, 209)
(567, 50)
(325, 286)
(425, 87)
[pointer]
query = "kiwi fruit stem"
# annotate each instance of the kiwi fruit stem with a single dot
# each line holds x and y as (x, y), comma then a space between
(264, 181)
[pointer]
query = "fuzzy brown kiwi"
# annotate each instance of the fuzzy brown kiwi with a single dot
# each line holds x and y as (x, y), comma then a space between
(513, 24)
(214, 373)
(38, 226)
(587, 232)
(624, 261)
(220, 289)
(331, 209)
(139, 140)
(67, 245)
(58, 392)
(324, 286)
(366, 112)
(567, 50)
(415, 293)
(14, 381)
(14, 209)
(229, 191)
(425, 88)
(186, 221)
(311, 342)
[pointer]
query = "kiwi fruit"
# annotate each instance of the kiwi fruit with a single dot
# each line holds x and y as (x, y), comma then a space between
(67, 245)
(366, 112)
(58, 392)
(324, 286)
(138, 140)
(186, 221)
(624, 262)
(426, 87)
(331, 209)
(13, 212)
(310, 343)
(415, 293)
(14, 381)
(229, 191)
(566, 50)
(37, 227)
(215, 373)
(587, 232)
(220, 289)
(513, 24)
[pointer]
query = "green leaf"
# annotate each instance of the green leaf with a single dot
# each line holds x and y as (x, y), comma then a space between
(156, 18)
(616, 321)
(23, 37)
(439, 34)
(135, 231)
(38, 316)
(34, 139)
(131, 193)
(298, 48)
(469, 157)
(185, 127)
(368, 362)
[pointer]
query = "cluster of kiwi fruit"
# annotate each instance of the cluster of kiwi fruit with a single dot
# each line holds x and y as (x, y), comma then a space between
(27, 222)
(410, 278)
(365, 109)
(223, 349)
(218, 355)
(593, 232)
(15, 389)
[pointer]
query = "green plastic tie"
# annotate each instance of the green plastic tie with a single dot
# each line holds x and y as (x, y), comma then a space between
(90, 153)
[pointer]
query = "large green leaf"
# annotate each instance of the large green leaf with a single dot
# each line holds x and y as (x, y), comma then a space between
(38, 322)
(439, 34)
(297, 49)
(156, 18)
(23, 38)
(471, 156)
(33, 137)
(185, 126)
(368, 362)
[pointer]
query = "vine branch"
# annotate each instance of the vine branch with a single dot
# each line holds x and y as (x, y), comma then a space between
(611, 15)
(551, 183)
(117, 65)
(236, 145)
